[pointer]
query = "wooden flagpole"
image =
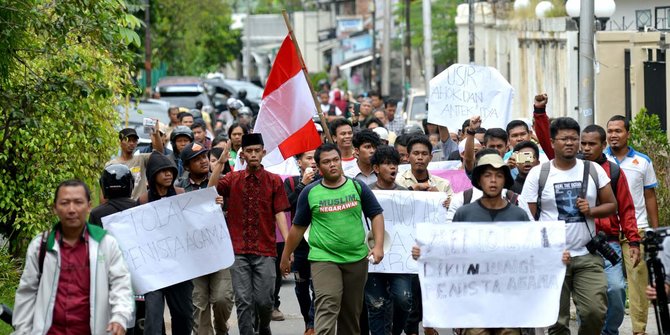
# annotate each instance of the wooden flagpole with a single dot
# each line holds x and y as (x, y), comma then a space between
(324, 124)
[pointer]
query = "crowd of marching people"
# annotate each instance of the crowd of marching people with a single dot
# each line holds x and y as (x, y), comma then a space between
(75, 280)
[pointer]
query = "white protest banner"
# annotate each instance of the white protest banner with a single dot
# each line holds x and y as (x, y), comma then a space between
(465, 90)
(173, 239)
(403, 210)
(491, 275)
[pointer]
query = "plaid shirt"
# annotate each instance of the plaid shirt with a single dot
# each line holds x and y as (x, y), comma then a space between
(397, 124)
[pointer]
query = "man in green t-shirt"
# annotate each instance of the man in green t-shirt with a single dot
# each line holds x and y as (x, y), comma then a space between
(333, 210)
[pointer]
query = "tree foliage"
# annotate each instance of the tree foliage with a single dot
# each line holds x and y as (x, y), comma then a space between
(193, 37)
(646, 134)
(445, 35)
(63, 67)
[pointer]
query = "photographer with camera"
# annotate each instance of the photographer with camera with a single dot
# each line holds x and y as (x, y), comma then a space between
(574, 191)
(593, 144)
(525, 157)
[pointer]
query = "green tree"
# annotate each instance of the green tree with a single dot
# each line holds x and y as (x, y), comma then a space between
(193, 37)
(62, 70)
(445, 41)
(646, 133)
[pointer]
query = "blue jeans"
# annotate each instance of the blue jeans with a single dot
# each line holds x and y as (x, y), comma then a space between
(388, 294)
(303, 284)
(616, 293)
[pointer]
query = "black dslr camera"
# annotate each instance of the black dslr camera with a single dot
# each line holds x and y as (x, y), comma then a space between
(599, 244)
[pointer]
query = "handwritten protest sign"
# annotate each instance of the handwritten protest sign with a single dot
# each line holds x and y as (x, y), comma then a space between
(491, 275)
(173, 239)
(448, 170)
(465, 90)
(402, 211)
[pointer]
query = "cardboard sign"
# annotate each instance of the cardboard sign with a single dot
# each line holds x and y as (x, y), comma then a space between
(403, 210)
(173, 239)
(491, 275)
(463, 90)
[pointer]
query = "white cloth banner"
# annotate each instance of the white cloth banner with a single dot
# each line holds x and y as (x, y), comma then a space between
(465, 90)
(173, 239)
(491, 275)
(403, 210)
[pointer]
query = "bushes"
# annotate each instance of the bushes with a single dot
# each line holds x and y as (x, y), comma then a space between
(10, 273)
(647, 135)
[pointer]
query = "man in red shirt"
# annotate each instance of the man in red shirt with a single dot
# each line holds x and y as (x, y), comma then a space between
(593, 143)
(256, 201)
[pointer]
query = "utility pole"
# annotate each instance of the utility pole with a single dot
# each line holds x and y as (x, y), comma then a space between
(147, 45)
(407, 50)
(586, 57)
(427, 45)
(386, 50)
(471, 30)
(373, 67)
(247, 44)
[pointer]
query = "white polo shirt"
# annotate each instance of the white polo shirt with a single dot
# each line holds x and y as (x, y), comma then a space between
(640, 174)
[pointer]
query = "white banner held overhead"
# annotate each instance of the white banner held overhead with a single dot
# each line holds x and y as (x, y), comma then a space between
(403, 210)
(491, 275)
(173, 239)
(465, 90)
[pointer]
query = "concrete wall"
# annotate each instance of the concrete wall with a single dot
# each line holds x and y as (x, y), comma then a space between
(610, 80)
(535, 56)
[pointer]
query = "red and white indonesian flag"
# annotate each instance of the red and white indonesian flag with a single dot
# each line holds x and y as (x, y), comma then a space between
(285, 116)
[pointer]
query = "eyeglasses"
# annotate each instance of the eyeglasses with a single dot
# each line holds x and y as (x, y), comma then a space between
(567, 139)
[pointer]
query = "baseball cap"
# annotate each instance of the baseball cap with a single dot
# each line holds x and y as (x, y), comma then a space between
(192, 150)
(382, 132)
(127, 132)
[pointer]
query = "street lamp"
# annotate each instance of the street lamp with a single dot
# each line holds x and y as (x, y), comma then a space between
(603, 10)
(543, 8)
(521, 5)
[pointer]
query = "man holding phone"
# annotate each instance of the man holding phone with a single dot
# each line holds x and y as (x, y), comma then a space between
(526, 155)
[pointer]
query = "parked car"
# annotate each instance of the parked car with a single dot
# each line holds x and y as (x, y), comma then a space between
(132, 115)
(416, 107)
(183, 91)
(231, 88)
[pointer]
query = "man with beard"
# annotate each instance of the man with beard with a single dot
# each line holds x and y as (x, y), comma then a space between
(212, 292)
(593, 144)
(332, 208)
(557, 191)
(642, 183)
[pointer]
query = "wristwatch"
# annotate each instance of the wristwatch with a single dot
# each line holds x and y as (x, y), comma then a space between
(470, 132)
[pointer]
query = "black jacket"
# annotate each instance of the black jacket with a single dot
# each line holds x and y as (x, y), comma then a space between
(158, 162)
(110, 207)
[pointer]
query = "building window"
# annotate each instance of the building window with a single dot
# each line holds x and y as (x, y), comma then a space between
(643, 18)
(663, 18)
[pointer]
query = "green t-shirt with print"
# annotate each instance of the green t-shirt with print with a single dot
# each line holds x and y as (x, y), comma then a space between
(335, 219)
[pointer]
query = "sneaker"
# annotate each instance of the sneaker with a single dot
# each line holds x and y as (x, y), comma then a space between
(277, 315)
(309, 331)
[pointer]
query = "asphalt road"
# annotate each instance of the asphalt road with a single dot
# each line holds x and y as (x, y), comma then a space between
(294, 325)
